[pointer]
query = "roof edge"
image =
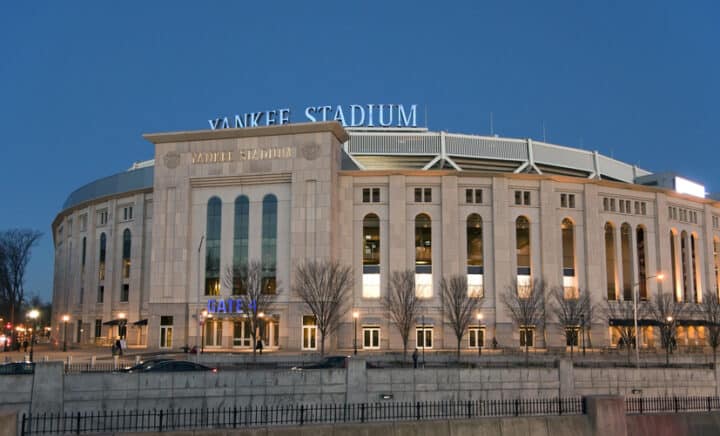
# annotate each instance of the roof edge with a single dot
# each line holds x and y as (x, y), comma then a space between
(333, 127)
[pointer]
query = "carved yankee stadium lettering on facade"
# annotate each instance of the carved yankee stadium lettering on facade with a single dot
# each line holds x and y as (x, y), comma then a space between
(204, 157)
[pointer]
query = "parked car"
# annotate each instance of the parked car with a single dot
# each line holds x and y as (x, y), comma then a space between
(326, 363)
(17, 368)
(167, 365)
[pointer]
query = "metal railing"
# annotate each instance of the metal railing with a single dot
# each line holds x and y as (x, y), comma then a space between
(643, 405)
(294, 414)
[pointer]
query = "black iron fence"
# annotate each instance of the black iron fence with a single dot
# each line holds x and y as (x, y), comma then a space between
(301, 414)
(642, 405)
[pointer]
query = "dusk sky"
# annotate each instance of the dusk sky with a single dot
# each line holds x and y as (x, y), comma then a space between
(80, 82)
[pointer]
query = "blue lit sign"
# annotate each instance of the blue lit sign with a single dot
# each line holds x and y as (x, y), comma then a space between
(228, 305)
(354, 115)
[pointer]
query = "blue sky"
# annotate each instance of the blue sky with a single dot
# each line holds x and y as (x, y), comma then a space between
(81, 81)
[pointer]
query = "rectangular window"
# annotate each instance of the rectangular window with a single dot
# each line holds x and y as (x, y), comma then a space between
(622, 206)
(376, 195)
(125, 293)
(98, 328)
(563, 200)
(469, 196)
(424, 337)
(478, 196)
(309, 332)
(473, 196)
(527, 336)
(166, 331)
(643, 208)
(69, 227)
(101, 294)
(612, 205)
(637, 208)
(518, 198)
(627, 206)
(83, 223)
(571, 336)
(605, 204)
(102, 217)
(423, 285)
(526, 198)
(371, 285)
(476, 337)
(427, 192)
(371, 337)
(418, 195)
(127, 213)
(571, 201)
(366, 195)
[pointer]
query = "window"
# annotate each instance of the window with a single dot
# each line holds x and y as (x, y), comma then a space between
(622, 206)
(83, 222)
(269, 243)
(212, 246)
(83, 255)
(125, 293)
(673, 266)
(240, 241)
(694, 269)
(127, 241)
(242, 334)
(610, 262)
(166, 332)
(571, 336)
(101, 294)
(371, 256)
(522, 249)
(643, 208)
(715, 222)
(423, 195)
(423, 256)
(716, 263)
(102, 217)
(476, 337)
(371, 337)
(475, 267)
(98, 328)
(371, 195)
(101, 257)
(309, 332)
(627, 272)
(522, 198)
(424, 337)
(606, 203)
(567, 201)
(69, 227)
(684, 263)
(213, 332)
(612, 205)
(567, 230)
(473, 196)
(127, 213)
(527, 337)
(642, 275)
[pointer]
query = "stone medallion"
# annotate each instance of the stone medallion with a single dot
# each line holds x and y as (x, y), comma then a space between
(310, 151)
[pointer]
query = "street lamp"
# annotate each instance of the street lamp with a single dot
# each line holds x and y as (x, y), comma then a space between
(203, 315)
(477, 335)
(65, 319)
(356, 315)
(582, 331)
(33, 315)
(121, 325)
(635, 316)
(668, 338)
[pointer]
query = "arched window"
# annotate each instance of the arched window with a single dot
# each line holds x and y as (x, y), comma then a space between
(127, 241)
(84, 254)
(522, 250)
(103, 249)
(423, 256)
(642, 272)
(371, 256)
(240, 241)
(684, 260)
(568, 252)
(716, 262)
(475, 266)
(694, 269)
(610, 262)
(269, 243)
(212, 246)
(626, 251)
(674, 267)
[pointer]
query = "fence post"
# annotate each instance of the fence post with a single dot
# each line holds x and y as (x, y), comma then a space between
(302, 414)
(78, 423)
(675, 400)
(517, 406)
(560, 406)
(160, 426)
(417, 408)
(362, 412)
(469, 409)
(234, 416)
(22, 426)
(709, 404)
(641, 405)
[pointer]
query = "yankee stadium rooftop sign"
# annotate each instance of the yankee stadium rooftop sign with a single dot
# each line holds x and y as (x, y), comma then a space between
(354, 115)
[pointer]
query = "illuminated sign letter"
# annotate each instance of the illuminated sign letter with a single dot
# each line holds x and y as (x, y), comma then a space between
(407, 120)
(212, 306)
(353, 121)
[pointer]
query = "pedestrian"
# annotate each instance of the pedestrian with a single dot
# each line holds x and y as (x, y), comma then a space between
(494, 343)
(118, 345)
(415, 358)
(25, 345)
(259, 346)
(113, 349)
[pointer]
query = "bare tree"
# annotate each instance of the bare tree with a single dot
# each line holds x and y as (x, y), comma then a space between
(572, 312)
(325, 287)
(16, 246)
(402, 303)
(526, 306)
(710, 311)
(620, 314)
(249, 289)
(666, 312)
(459, 306)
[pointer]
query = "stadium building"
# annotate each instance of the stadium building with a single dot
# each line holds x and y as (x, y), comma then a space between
(142, 253)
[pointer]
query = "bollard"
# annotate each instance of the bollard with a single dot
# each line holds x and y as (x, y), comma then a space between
(92, 361)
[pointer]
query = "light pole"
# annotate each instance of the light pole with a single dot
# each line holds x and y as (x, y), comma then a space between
(668, 338)
(477, 336)
(203, 315)
(424, 339)
(197, 295)
(635, 316)
(65, 319)
(121, 325)
(33, 315)
(356, 315)
(582, 331)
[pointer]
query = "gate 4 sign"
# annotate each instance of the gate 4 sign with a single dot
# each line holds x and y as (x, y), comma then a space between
(229, 305)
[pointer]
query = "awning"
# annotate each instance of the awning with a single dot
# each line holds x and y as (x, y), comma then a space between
(615, 322)
(116, 322)
(141, 322)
